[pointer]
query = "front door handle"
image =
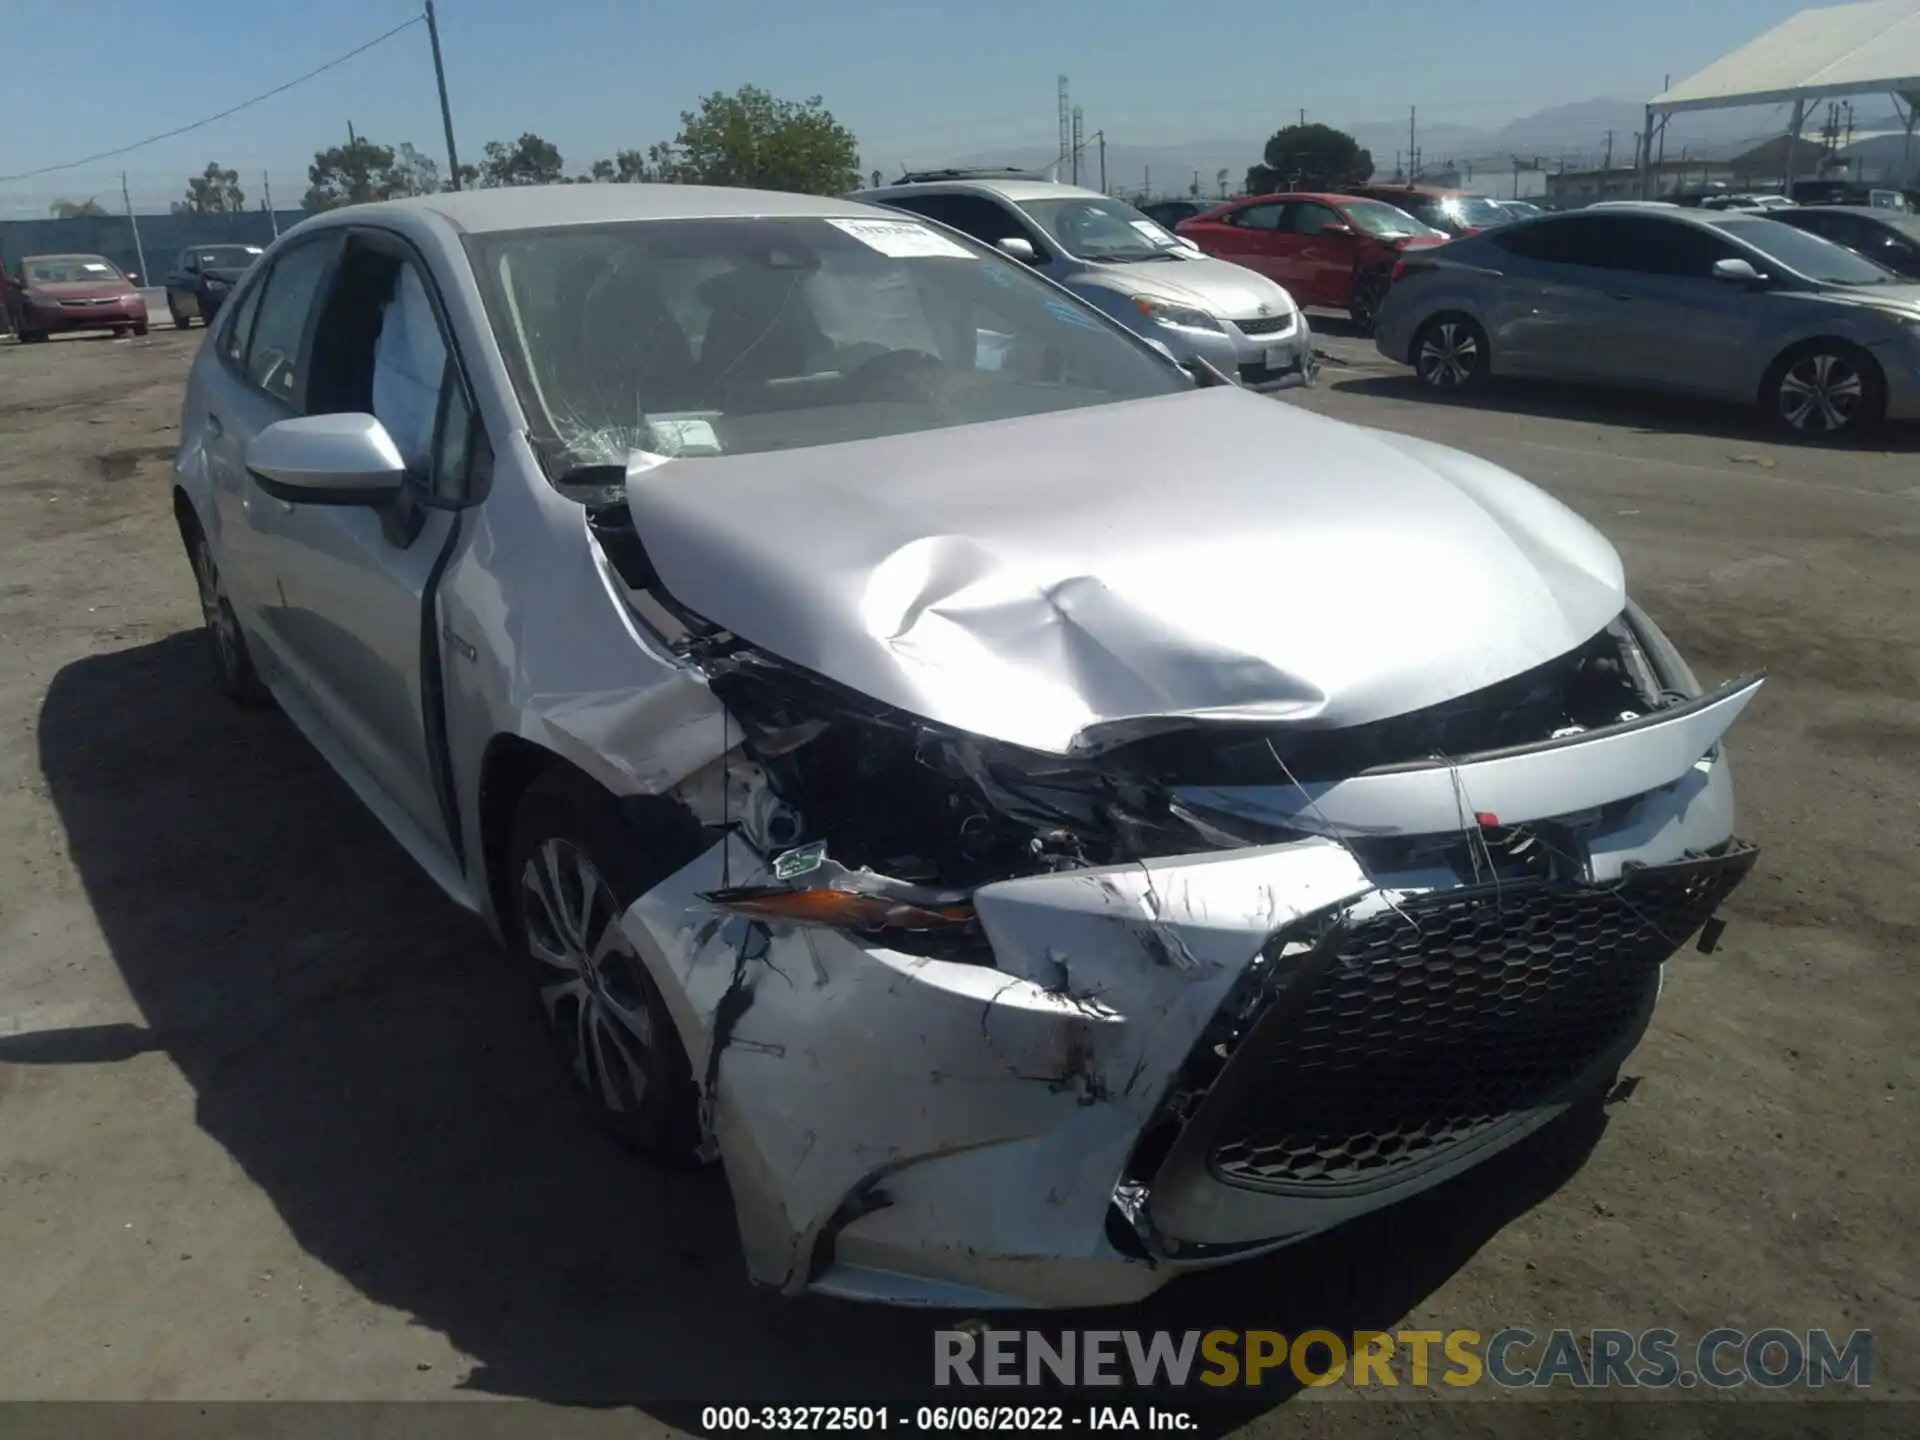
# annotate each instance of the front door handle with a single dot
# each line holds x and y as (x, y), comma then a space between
(214, 428)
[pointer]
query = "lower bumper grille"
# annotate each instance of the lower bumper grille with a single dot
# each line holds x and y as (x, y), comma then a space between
(1408, 1034)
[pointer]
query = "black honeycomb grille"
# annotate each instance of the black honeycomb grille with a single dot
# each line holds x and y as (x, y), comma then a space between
(1432, 1026)
(1271, 325)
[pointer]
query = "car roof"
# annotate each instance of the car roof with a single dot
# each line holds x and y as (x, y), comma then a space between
(1865, 212)
(29, 259)
(1015, 190)
(536, 207)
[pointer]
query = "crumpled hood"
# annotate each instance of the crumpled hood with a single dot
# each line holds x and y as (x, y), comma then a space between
(1207, 554)
(1218, 286)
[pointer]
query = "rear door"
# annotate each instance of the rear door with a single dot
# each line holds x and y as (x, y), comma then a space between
(1249, 236)
(261, 379)
(1553, 310)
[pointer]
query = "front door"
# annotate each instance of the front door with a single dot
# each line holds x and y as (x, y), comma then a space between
(353, 581)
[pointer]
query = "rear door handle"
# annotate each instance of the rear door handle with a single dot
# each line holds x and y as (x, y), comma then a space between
(214, 428)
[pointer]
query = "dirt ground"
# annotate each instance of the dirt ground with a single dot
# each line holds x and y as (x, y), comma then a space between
(275, 1122)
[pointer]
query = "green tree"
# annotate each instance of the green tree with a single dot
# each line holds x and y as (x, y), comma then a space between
(76, 209)
(350, 174)
(749, 138)
(412, 173)
(530, 160)
(1309, 157)
(215, 191)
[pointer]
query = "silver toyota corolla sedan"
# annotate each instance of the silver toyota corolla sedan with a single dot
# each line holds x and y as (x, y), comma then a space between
(1725, 305)
(1120, 262)
(1041, 822)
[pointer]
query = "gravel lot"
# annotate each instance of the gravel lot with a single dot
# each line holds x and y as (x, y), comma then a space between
(276, 1123)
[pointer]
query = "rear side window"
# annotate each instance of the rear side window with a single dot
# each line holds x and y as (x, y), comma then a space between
(1258, 217)
(1557, 242)
(273, 357)
(233, 344)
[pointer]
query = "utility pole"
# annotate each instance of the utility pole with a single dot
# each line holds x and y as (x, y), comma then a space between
(1608, 166)
(1303, 115)
(1078, 145)
(266, 186)
(139, 252)
(1066, 126)
(352, 139)
(1101, 136)
(446, 111)
(1413, 154)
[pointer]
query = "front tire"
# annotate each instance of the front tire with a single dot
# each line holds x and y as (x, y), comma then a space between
(575, 864)
(1450, 354)
(1824, 390)
(1369, 293)
(141, 328)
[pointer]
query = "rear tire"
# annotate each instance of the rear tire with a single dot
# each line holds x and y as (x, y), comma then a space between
(32, 337)
(1824, 390)
(180, 322)
(1450, 354)
(233, 665)
(141, 328)
(574, 866)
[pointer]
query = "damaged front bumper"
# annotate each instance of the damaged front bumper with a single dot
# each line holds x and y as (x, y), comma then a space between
(1176, 1062)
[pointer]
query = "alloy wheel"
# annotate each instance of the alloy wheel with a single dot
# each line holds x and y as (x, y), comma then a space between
(1449, 355)
(1821, 393)
(592, 984)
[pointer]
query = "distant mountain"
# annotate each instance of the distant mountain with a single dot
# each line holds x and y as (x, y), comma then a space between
(1574, 134)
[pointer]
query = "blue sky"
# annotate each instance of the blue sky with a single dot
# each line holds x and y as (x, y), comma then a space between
(917, 82)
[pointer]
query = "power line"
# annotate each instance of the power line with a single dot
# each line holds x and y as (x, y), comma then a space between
(231, 110)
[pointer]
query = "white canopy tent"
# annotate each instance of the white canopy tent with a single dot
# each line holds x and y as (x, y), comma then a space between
(1862, 49)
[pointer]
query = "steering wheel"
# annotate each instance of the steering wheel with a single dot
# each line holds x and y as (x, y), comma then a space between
(896, 375)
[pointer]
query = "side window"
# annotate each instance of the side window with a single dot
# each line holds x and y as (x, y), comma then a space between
(273, 353)
(1303, 217)
(934, 207)
(378, 350)
(1647, 245)
(1557, 242)
(462, 455)
(1258, 217)
(233, 343)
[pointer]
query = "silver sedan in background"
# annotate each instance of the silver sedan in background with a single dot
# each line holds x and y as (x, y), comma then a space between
(1726, 305)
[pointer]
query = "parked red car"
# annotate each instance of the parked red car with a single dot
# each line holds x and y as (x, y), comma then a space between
(74, 292)
(1455, 212)
(1333, 251)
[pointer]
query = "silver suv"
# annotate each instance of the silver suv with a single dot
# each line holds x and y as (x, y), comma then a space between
(1115, 258)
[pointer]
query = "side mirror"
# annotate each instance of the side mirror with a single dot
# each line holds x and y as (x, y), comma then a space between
(327, 460)
(1737, 272)
(133, 277)
(1018, 247)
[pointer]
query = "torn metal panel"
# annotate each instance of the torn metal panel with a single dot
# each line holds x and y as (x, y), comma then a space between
(1556, 777)
(836, 1063)
(1044, 577)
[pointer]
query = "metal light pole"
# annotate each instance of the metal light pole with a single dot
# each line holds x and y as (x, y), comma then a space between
(446, 111)
(139, 250)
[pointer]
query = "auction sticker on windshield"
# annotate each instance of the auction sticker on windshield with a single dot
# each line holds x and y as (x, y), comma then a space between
(901, 239)
(1154, 233)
